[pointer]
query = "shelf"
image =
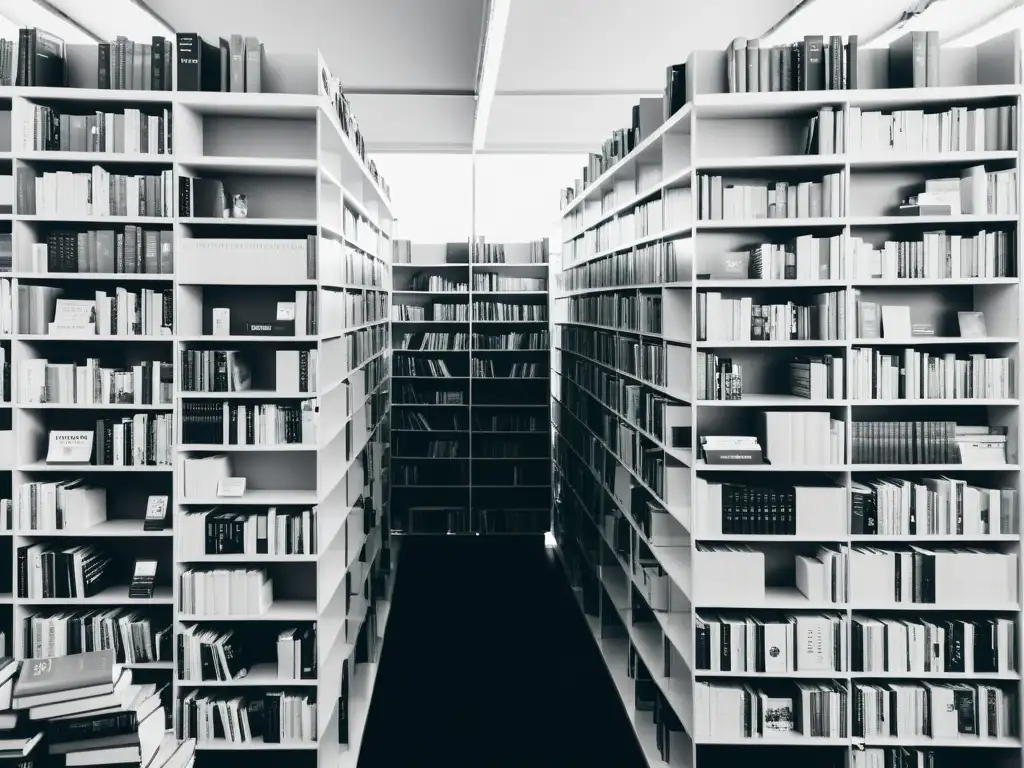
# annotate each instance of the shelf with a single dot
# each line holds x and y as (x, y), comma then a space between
(259, 675)
(112, 596)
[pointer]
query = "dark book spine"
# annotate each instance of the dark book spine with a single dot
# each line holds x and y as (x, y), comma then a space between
(103, 66)
(187, 69)
(156, 64)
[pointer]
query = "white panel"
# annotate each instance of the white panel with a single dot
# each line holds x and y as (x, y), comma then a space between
(431, 195)
(414, 122)
(549, 123)
(613, 45)
(517, 195)
(407, 44)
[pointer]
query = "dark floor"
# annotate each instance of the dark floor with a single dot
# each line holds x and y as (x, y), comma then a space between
(488, 662)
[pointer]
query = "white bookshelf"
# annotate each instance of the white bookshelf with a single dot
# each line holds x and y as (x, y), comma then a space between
(304, 178)
(644, 574)
(477, 491)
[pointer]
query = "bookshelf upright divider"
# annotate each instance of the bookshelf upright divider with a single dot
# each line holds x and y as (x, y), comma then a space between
(879, 465)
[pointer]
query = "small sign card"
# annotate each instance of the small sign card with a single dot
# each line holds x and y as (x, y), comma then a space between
(231, 487)
(69, 447)
(156, 514)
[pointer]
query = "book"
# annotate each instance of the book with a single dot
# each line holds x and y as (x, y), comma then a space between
(81, 674)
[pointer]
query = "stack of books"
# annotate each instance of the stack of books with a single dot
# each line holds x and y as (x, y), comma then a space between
(87, 710)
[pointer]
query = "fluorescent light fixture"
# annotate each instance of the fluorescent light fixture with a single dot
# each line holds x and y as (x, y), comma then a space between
(494, 41)
(28, 13)
(110, 18)
(549, 540)
(830, 17)
(950, 18)
(1005, 21)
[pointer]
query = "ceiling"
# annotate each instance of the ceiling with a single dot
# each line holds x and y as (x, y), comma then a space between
(570, 69)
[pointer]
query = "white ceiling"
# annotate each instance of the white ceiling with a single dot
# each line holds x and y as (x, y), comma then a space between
(395, 45)
(570, 71)
(619, 45)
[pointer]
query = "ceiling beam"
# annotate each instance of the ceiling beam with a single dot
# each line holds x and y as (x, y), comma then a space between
(487, 83)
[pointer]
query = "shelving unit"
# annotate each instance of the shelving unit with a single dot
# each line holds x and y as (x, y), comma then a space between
(316, 196)
(492, 405)
(657, 556)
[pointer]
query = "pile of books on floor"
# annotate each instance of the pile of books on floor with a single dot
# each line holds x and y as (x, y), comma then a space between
(83, 710)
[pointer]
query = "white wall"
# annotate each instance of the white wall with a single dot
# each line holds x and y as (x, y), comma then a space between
(516, 195)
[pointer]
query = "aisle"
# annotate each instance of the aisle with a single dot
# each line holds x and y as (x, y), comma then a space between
(488, 662)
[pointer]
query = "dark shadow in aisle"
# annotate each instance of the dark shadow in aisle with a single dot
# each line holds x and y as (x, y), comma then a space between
(488, 662)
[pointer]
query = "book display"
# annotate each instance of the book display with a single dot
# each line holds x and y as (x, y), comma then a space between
(787, 418)
(212, 318)
(472, 447)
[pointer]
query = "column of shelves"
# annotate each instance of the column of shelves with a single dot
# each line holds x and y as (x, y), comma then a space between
(430, 322)
(510, 388)
(800, 546)
(623, 418)
(283, 381)
(94, 374)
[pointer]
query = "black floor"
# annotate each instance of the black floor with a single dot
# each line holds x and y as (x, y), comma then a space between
(487, 661)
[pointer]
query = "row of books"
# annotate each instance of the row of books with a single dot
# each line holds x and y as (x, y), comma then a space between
(500, 311)
(811, 64)
(226, 423)
(492, 281)
(41, 381)
(537, 340)
(974, 712)
(146, 312)
(219, 655)
(134, 638)
(723, 200)
(271, 718)
(48, 570)
(922, 375)
(911, 131)
(741, 319)
(233, 66)
(96, 193)
(437, 284)
(482, 252)
(653, 263)
(225, 592)
(214, 370)
(936, 256)
(829, 644)
(271, 531)
(631, 312)
(886, 507)
(436, 312)
(135, 250)
(492, 369)
(408, 394)
(433, 341)
(131, 131)
(939, 710)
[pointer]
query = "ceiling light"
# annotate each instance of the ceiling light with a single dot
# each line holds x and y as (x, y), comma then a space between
(494, 41)
(111, 18)
(28, 13)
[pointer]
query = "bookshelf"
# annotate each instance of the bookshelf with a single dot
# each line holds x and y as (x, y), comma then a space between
(704, 571)
(471, 452)
(259, 350)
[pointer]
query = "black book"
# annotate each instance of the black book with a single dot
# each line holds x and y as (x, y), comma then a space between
(188, 62)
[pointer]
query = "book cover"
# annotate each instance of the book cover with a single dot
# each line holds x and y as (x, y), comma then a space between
(65, 673)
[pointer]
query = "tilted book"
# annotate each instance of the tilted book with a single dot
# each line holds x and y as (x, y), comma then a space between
(95, 669)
